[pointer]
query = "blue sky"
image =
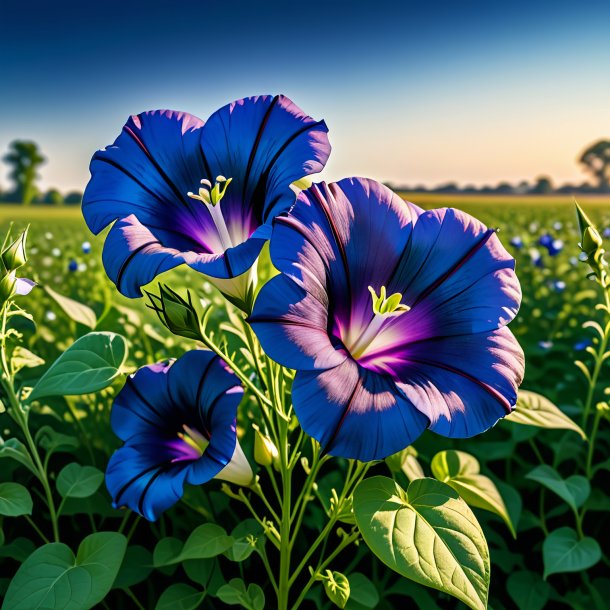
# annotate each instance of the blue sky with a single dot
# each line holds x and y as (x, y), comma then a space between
(412, 93)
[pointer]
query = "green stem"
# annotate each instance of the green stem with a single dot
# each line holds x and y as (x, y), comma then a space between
(591, 450)
(285, 546)
(36, 528)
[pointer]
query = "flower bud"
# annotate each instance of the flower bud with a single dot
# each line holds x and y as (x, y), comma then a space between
(8, 286)
(14, 256)
(591, 240)
(265, 452)
(177, 314)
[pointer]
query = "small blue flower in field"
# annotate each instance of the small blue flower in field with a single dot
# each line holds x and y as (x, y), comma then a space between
(536, 257)
(573, 261)
(72, 265)
(557, 226)
(582, 345)
(393, 317)
(555, 247)
(516, 242)
(86, 247)
(606, 232)
(545, 345)
(178, 423)
(179, 190)
(559, 285)
(545, 240)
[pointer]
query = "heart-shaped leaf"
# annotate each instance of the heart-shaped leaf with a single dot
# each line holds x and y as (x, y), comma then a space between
(563, 551)
(15, 500)
(90, 364)
(52, 578)
(427, 533)
(535, 410)
(461, 471)
(235, 593)
(528, 590)
(574, 490)
(180, 596)
(76, 481)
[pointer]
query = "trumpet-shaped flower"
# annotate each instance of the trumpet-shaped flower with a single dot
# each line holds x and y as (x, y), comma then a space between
(394, 319)
(183, 191)
(178, 424)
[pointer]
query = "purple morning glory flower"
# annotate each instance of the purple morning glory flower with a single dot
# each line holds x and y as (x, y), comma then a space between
(177, 421)
(185, 191)
(394, 319)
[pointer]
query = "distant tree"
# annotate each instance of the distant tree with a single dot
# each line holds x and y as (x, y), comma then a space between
(596, 159)
(504, 188)
(543, 186)
(74, 197)
(449, 187)
(53, 197)
(25, 159)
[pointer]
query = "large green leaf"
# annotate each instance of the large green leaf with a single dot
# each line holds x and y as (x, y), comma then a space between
(427, 533)
(462, 472)
(574, 490)
(528, 590)
(15, 500)
(362, 591)
(53, 579)
(535, 410)
(90, 364)
(180, 596)
(563, 551)
(76, 481)
(73, 309)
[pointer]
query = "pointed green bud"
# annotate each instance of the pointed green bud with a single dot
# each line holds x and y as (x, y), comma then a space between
(8, 287)
(591, 240)
(265, 452)
(178, 315)
(14, 256)
(583, 220)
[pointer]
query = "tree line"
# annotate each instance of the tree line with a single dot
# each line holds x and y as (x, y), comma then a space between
(24, 159)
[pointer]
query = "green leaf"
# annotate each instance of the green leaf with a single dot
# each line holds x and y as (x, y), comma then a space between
(18, 549)
(15, 500)
(535, 410)
(166, 552)
(73, 309)
(16, 450)
(427, 533)
(248, 536)
(336, 586)
(76, 481)
(24, 358)
(574, 490)
(136, 567)
(563, 551)
(235, 593)
(362, 590)
(180, 597)
(528, 590)
(52, 578)
(205, 572)
(207, 540)
(461, 472)
(52, 441)
(90, 364)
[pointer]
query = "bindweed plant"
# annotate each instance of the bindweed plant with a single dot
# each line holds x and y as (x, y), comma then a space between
(278, 453)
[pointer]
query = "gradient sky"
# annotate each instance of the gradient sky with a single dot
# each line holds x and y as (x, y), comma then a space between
(413, 92)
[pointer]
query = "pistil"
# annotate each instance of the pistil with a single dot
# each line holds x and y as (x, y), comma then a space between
(383, 308)
(211, 197)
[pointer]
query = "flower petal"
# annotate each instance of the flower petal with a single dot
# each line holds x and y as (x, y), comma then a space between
(462, 384)
(264, 144)
(355, 413)
(292, 326)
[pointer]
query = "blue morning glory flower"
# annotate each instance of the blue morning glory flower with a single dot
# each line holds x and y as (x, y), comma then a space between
(393, 317)
(178, 423)
(516, 242)
(183, 191)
